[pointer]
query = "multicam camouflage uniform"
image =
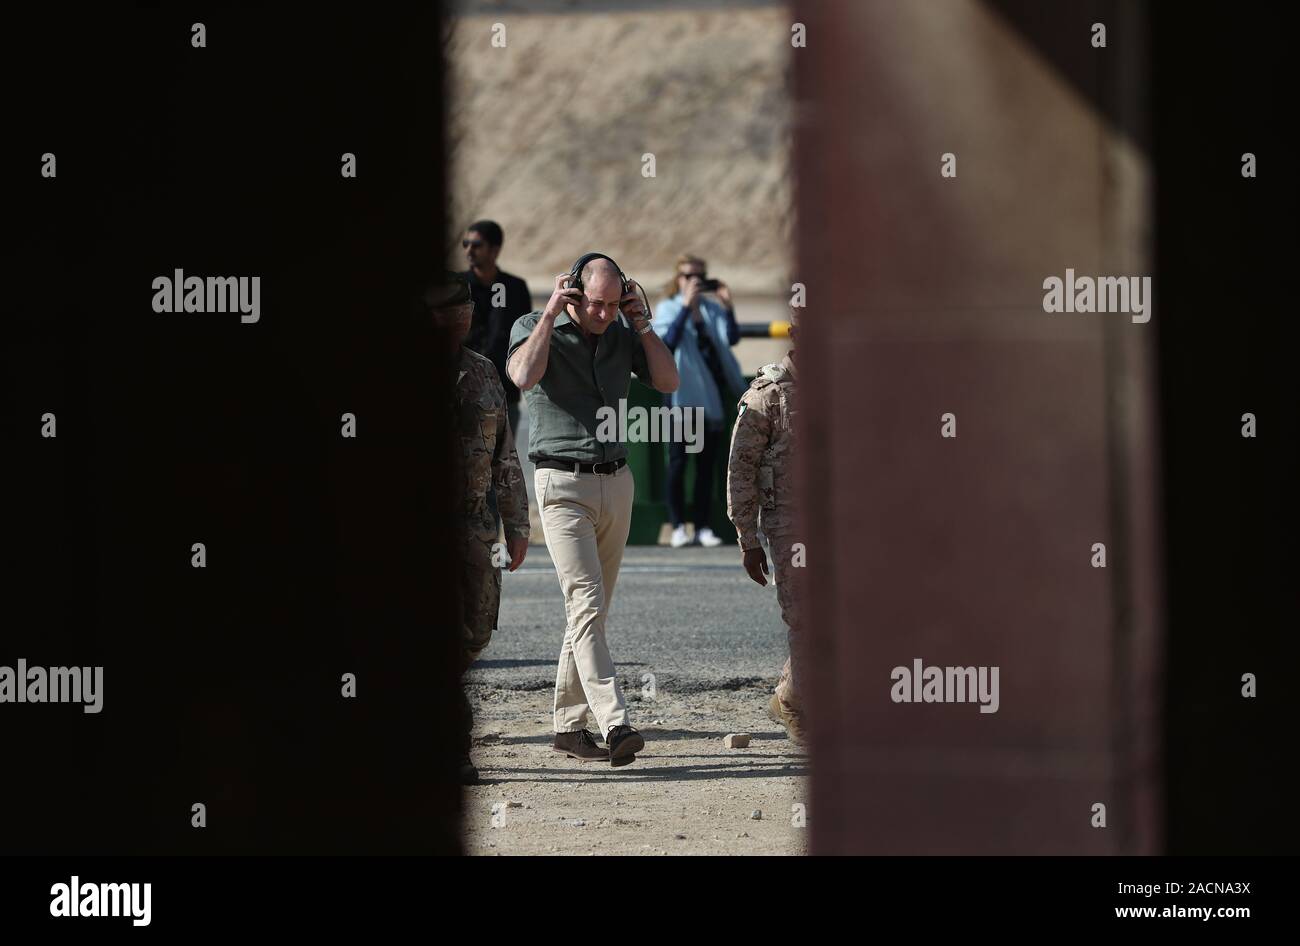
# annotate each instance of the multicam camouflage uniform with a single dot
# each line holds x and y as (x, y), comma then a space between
(760, 493)
(488, 451)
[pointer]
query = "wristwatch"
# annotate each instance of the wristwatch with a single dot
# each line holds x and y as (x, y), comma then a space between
(646, 327)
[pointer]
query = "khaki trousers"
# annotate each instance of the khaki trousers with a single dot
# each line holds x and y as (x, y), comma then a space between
(586, 518)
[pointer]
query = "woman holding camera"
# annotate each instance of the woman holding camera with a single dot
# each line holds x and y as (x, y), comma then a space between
(698, 324)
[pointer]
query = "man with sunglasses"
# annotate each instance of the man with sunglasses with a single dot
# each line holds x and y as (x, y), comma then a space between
(499, 299)
(488, 463)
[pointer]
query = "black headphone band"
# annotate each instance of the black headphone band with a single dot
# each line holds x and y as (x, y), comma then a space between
(575, 274)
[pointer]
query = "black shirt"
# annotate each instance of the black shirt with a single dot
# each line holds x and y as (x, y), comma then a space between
(489, 333)
(704, 340)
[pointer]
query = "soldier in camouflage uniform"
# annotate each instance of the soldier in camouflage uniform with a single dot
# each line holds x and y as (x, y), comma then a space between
(760, 494)
(488, 463)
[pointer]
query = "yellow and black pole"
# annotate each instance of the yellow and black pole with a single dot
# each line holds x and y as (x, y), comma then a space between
(764, 329)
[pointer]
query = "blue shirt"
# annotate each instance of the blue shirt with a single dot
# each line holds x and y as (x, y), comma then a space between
(674, 325)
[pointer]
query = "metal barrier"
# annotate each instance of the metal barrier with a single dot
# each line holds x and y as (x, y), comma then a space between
(764, 329)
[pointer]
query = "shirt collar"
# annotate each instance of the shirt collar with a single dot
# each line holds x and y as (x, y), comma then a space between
(474, 280)
(563, 319)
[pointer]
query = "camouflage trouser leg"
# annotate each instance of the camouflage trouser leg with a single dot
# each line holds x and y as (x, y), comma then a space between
(787, 689)
(466, 722)
(480, 599)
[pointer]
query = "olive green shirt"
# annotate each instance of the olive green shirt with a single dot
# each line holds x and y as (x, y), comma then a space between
(563, 406)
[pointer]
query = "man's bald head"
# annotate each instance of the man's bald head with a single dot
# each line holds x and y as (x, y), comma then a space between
(602, 291)
(603, 273)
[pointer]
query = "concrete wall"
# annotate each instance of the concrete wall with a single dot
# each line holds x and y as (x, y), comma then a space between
(926, 297)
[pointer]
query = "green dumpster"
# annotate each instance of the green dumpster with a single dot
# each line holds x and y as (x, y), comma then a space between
(649, 464)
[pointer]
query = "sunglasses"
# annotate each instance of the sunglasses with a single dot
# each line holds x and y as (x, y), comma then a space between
(474, 243)
(702, 274)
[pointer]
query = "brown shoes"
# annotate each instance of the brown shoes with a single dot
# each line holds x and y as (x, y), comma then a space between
(580, 745)
(624, 743)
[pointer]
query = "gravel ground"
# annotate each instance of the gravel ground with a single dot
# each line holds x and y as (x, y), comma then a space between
(714, 643)
(685, 794)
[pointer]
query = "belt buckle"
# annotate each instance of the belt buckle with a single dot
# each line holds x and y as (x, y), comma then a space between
(595, 468)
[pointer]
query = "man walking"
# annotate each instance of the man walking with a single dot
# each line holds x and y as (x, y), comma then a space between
(571, 360)
(488, 462)
(760, 494)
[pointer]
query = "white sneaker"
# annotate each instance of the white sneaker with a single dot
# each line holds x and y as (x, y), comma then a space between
(707, 539)
(680, 537)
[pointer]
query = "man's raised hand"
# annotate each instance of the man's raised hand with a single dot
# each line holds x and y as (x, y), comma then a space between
(632, 306)
(561, 297)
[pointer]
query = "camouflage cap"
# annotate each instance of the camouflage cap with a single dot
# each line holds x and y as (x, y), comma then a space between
(447, 289)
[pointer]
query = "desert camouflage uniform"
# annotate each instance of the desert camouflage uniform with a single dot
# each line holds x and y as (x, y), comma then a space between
(489, 461)
(760, 493)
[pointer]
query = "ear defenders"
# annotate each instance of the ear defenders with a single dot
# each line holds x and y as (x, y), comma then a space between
(626, 285)
(575, 274)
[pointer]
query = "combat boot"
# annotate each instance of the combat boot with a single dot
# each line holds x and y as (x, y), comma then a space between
(789, 720)
(467, 772)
